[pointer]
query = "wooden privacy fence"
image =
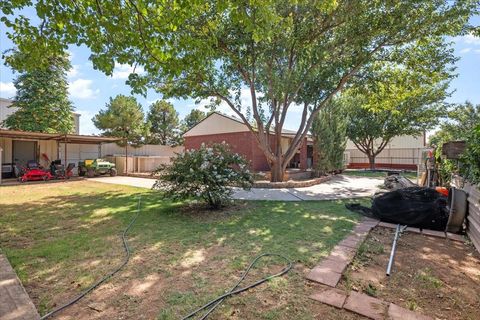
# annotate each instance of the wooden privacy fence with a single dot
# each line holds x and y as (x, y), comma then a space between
(473, 215)
(473, 218)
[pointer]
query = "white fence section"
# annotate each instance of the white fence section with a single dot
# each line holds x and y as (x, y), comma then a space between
(410, 156)
(112, 149)
(140, 160)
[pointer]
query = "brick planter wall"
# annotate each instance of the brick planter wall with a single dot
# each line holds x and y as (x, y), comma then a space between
(291, 183)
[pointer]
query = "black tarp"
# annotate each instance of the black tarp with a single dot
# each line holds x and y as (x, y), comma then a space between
(415, 206)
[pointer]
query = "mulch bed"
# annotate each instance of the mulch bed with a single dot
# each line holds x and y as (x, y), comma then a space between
(433, 276)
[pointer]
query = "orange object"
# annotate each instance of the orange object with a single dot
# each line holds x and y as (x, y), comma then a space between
(442, 190)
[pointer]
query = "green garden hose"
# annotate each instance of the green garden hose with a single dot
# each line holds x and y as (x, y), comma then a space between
(210, 306)
(99, 282)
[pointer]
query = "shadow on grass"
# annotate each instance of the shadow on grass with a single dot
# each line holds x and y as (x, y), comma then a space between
(60, 243)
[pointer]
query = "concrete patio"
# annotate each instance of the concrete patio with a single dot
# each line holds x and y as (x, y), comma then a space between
(339, 187)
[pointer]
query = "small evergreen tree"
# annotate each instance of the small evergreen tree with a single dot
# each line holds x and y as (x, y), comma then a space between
(41, 99)
(123, 118)
(329, 136)
(164, 124)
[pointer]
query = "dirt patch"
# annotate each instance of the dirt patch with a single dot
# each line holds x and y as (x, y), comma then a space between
(433, 276)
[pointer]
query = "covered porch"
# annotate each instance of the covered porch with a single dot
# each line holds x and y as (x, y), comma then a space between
(22, 146)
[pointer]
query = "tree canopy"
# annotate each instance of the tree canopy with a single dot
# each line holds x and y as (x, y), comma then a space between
(191, 119)
(164, 123)
(460, 121)
(123, 118)
(41, 98)
(459, 124)
(281, 52)
(394, 102)
(329, 138)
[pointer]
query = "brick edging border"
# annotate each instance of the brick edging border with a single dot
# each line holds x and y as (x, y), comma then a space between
(291, 183)
(329, 272)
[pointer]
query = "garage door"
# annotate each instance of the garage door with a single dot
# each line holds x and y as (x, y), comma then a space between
(78, 152)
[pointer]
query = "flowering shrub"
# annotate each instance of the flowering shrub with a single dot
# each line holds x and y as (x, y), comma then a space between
(208, 173)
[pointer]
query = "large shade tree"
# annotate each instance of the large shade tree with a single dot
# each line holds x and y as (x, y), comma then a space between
(394, 102)
(41, 101)
(282, 52)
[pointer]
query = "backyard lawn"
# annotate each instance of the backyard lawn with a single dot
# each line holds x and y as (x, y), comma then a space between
(61, 237)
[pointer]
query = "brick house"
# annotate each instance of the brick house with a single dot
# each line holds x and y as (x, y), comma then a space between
(218, 127)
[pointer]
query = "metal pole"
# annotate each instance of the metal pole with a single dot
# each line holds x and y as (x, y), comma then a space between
(398, 232)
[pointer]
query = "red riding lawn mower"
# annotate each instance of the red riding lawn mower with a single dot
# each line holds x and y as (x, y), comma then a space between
(31, 172)
(34, 172)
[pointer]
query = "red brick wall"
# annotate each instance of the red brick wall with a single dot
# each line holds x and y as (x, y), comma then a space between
(303, 155)
(243, 143)
(383, 166)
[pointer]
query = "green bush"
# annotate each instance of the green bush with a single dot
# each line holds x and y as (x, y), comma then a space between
(470, 168)
(208, 174)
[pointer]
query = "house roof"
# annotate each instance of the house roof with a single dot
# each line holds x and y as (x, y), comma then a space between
(285, 132)
(69, 138)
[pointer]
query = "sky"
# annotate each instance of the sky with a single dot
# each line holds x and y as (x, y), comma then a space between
(90, 90)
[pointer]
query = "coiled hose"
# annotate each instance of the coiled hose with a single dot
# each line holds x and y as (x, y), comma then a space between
(99, 282)
(210, 306)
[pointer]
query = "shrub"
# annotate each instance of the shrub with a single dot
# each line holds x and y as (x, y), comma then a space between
(208, 174)
(470, 168)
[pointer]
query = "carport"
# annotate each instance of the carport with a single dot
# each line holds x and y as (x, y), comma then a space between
(23, 146)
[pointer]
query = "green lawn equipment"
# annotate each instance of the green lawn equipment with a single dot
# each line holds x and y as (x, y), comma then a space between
(96, 167)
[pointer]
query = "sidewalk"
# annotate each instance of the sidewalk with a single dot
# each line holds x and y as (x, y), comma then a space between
(339, 187)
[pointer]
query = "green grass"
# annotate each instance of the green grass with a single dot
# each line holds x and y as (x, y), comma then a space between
(61, 237)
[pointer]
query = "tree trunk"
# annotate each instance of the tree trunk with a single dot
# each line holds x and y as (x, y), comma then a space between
(277, 172)
(371, 160)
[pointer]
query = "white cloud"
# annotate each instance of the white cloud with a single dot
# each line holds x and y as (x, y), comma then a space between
(468, 39)
(471, 39)
(86, 124)
(122, 71)
(70, 55)
(477, 51)
(74, 71)
(81, 88)
(7, 89)
(465, 50)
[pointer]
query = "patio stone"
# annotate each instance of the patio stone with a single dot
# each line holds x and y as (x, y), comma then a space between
(330, 296)
(455, 237)
(387, 225)
(352, 241)
(398, 313)
(433, 233)
(333, 265)
(414, 230)
(15, 304)
(324, 275)
(340, 251)
(366, 306)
